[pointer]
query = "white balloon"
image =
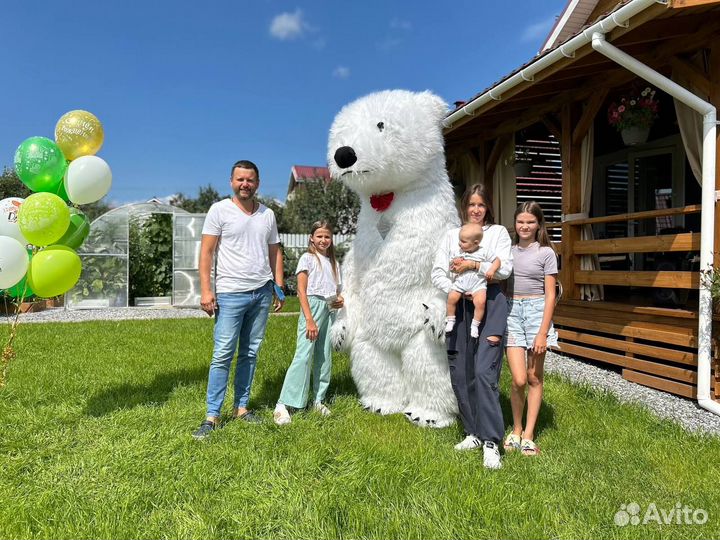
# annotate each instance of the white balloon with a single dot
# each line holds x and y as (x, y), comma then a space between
(14, 262)
(87, 179)
(8, 219)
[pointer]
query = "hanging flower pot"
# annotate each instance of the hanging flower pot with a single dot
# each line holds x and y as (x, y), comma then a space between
(635, 135)
(634, 115)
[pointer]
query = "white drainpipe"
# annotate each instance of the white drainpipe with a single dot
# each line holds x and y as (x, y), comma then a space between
(707, 215)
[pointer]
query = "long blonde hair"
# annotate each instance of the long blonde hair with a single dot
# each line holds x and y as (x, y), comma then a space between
(324, 224)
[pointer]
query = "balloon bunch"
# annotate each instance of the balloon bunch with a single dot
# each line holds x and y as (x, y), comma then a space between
(39, 235)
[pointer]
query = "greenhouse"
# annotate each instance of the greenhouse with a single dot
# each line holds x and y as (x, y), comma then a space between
(140, 254)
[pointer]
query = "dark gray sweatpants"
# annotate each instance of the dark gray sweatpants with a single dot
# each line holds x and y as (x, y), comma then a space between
(475, 366)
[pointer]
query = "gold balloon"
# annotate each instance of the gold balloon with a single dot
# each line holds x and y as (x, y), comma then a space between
(79, 133)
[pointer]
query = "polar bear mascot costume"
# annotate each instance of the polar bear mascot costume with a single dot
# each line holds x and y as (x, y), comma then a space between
(388, 147)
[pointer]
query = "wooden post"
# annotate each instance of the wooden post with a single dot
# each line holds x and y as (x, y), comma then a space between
(571, 202)
(715, 100)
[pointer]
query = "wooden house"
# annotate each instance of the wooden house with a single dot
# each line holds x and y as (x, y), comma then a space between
(635, 221)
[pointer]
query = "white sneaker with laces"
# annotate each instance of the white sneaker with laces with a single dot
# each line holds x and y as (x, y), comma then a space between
(281, 415)
(471, 442)
(322, 409)
(491, 455)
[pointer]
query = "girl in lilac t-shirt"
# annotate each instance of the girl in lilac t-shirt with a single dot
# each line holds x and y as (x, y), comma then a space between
(529, 328)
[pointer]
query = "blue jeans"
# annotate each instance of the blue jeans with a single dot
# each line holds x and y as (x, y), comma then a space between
(240, 320)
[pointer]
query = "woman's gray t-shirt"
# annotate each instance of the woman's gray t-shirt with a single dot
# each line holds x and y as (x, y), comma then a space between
(530, 266)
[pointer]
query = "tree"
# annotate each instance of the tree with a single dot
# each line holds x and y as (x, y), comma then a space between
(207, 195)
(12, 186)
(96, 209)
(279, 211)
(316, 200)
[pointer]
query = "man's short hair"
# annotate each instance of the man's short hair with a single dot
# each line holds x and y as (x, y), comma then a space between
(245, 164)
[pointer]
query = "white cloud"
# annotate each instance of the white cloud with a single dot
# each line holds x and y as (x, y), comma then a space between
(341, 72)
(399, 24)
(287, 26)
(537, 30)
(388, 43)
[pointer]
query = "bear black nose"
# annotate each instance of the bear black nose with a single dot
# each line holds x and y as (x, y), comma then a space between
(345, 157)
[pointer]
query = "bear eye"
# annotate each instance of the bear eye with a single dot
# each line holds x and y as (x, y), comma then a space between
(381, 125)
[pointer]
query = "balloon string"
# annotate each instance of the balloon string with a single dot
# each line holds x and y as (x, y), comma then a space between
(8, 352)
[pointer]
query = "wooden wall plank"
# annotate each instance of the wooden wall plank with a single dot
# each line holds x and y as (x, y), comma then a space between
(620, 329)
(661, 353)
(662, 370)
(641, 244)
(663, 279)
(659, 383)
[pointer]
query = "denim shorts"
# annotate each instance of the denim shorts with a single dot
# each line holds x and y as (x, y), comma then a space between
(524, 319)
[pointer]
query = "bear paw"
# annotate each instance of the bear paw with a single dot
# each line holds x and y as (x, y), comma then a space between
(379, 406)
(426, 418)
(338, 335)
(434, 323)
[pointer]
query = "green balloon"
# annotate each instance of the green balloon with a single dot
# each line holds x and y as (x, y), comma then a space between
(40, 164)
(77, 231)
(54, 271)
(21, 290)
(60, 191)
(43, 218)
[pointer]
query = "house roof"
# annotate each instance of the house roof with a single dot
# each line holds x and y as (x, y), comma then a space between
(306, 172)
(303, 173)
(570, 22)
(656, 34)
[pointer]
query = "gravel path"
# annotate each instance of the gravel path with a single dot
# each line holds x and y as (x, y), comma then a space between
(113, 314)
(683, 411)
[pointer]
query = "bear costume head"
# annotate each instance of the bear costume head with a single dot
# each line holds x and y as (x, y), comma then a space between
(388, 142)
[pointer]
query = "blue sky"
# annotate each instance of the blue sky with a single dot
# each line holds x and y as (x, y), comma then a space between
(184, 89)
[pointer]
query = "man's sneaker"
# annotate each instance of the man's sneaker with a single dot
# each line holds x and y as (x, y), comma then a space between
(491, 455)
(250, 417)
(281, 416)
(471, 442)
(321, 408)
(203, 432)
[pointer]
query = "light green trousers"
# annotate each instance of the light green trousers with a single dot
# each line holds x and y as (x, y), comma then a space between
(310, 357)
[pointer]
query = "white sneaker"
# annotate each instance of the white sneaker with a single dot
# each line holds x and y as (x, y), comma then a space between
(322, 409)
(471, 442)
(491, 455)
(281, 416)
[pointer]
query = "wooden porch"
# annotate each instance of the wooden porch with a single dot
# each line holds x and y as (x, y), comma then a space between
(650, 343)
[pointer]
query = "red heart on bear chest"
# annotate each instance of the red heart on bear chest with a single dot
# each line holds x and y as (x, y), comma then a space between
(380, 203)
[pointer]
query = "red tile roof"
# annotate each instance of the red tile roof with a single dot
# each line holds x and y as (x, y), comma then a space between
(310, 173)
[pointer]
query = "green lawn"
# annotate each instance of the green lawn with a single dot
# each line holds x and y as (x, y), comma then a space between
(96, 422)
(292, 304)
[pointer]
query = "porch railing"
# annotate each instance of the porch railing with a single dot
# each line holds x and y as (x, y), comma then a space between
(639, 244)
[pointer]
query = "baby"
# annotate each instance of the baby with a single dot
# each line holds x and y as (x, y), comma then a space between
(471, 281)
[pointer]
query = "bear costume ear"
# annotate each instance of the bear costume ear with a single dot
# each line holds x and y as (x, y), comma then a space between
(433, 104)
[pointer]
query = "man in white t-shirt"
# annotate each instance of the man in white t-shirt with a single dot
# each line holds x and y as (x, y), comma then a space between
(242, 235)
